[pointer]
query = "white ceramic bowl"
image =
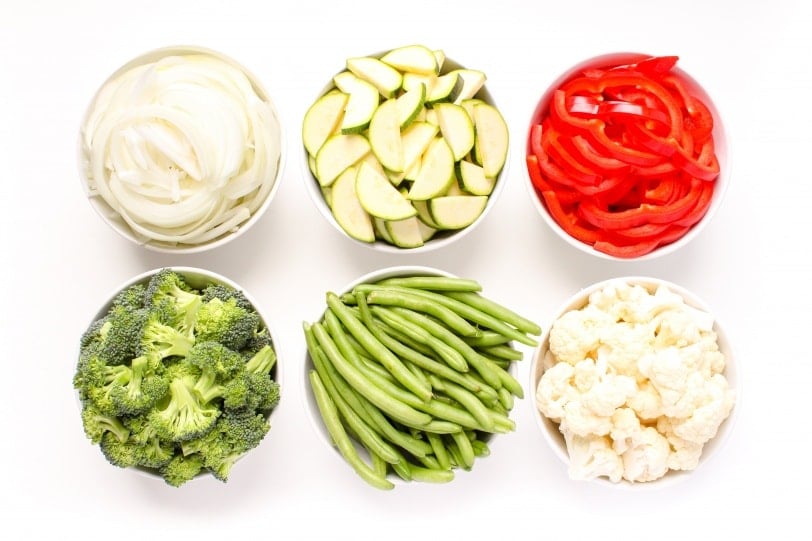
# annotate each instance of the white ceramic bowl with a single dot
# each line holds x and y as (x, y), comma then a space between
(550, 429)
(720, 141)
(441, 238)
(197, 278)
(258, 200)
(310, 402)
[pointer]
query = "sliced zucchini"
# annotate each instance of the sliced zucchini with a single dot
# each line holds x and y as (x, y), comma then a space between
(423, 214)
(405, 233)
(492, 137)
(410, 104)
(444, 88)
(322, 119)
(426, 231)
(416, 139)
(382, 76)
(378, 197)
(472, 82)
(412, 58)
(338, 153)
(469, 105)
(456, 211)
(347, 209)
(436, 171)
(384, 136)
(473, 179)
(361, 105)
(456, 127)
(380, 229)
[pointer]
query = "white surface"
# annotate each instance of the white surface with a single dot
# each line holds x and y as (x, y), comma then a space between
(751, 265)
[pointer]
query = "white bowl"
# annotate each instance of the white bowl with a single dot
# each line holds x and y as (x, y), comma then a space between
(720, 143)
(310, 402)
(258, 200)
(441, 238)
(550, 429)
(197, 278)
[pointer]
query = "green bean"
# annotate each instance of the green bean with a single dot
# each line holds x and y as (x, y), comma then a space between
(480, 448)
(378, 351)
(496, 310)
(466, 452)
(438, 283)
(452, 357)
(360, 381)
(469, 354)
(487, 338)
(465, 398)
(464, 310)
(440, 452)
(505, 398)
(431, 475)
(407, 299)
(502, 351)
(429, 461)
(507, 379)
(379, 465)
(340, 437)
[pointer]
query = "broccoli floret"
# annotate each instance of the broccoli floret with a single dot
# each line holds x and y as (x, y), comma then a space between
(181, 469)
(121, 333)
(131, 298)
(217, 364)
(251, 392)
(96, 380)
(96, 423)
(143, 390)
(184, 416)
(93, 335)
(226, 322)
(160, 341)
(225, 293)
(177, 300)
(258, 340)
(234, 435)
(150, 450)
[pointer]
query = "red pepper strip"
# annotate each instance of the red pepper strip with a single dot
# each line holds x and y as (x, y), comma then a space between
(597, 87)
(641, 232)
(626, 251)
(652, 172)
(656, 66)
(568, 163)
(663, 191)
(700, 119)
(594, 130)
(695, 166)
(646, 139)
(589, 106)
(701, 207)
(603, 164)
(535, 139)
(566, 196)
(567, 220)
(642, 214)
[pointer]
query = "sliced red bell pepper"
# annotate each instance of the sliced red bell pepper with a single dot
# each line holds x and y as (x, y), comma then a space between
(568, 221)
(626, 251)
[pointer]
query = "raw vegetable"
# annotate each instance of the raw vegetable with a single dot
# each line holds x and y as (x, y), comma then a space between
(636, 381)
(400, 381)
(177, 380)
(425, 129)
(623, 156)
(182, 149)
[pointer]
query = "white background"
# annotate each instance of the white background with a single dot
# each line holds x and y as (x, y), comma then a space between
(751, 266)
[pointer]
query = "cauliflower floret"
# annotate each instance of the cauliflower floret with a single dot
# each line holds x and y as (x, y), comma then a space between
(647, 403)
(580, 420)
(555, 390)
(625, 429)
(592, 457)
(576, 334)
(623, 345)
(708, 413)
(685, 454)
(647, 458)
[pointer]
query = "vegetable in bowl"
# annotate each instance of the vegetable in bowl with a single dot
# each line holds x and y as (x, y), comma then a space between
(176, 379)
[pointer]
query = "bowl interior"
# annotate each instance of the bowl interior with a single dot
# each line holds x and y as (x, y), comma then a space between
(115, 221)
(720, 145)
(550, 429)
(441, 238)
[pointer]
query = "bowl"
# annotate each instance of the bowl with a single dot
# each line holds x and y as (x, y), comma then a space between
(198, 279)
(542, 361)
(167, 150)
(392, 478)
(379, 237)
(673, 239)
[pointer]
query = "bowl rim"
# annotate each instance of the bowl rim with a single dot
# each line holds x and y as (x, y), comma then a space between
(722, 149)
(436, 242)
(732, 373)
(307, 395)
(198, 276)
(106, 212)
